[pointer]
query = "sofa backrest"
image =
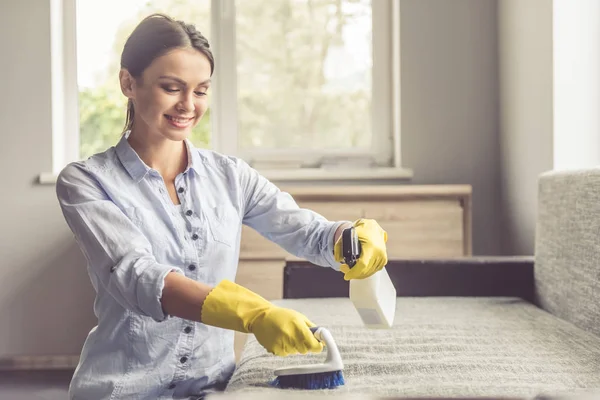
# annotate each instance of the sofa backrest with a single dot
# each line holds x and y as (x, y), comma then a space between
(567, 246)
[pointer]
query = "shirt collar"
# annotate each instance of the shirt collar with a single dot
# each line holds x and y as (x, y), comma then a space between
(137, 169)
(194, 159)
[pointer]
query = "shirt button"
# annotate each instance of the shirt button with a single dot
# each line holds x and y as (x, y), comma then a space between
(183, 359)
(189, 212)
(194, 237)
(191, 267)
(172, 386)
(187, 329)
(181, 190)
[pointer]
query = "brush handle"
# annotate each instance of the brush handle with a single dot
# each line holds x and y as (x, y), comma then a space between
(319, 333)
(333, 360)
(316, 331)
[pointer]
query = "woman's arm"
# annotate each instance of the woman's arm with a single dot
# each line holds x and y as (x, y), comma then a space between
(184, 297)
(338, 231)
(305, 233)
(119, 256)
(121, 263)
(228, 305)
(276, 216)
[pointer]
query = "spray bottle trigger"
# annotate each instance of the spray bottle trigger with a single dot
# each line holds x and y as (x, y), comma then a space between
(351, 248)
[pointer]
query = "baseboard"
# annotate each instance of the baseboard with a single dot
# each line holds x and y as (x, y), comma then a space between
(39, 362)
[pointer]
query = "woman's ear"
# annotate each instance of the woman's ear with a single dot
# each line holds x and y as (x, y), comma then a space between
(127, 83)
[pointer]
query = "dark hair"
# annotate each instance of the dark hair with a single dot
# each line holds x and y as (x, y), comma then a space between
(154, 36)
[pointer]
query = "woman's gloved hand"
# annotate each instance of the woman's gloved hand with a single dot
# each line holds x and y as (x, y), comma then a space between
(373, 255)
(280, 330)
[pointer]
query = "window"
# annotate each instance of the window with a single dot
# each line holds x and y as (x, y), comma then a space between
(300, 83)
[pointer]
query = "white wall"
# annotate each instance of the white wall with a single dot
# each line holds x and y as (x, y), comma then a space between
(450, 135)
(576, 83)
(45, 297)
(550, 102)
(525, 48)
(449, 91)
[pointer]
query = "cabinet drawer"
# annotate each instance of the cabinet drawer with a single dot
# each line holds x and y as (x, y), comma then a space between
(253, 246)
(337, 210)
(421, 221)
(406, 240)
(414, 210)
(423, 228)
(264, 277)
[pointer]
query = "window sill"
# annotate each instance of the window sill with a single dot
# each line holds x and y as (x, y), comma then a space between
(39, 362)
(305, 174)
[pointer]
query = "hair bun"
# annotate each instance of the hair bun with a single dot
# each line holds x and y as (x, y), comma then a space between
(191, 29)
(195, 36)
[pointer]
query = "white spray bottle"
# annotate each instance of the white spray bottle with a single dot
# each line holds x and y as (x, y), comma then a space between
(374, 297)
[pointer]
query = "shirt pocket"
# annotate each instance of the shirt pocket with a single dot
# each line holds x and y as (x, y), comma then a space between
(224, 224)
(149, 223)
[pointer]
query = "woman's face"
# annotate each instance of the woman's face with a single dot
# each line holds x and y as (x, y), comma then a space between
(171, 96)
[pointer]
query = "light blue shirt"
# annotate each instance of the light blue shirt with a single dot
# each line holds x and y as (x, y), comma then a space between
(132, 235)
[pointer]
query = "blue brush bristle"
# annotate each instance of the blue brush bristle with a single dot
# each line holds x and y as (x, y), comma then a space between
(322, 380)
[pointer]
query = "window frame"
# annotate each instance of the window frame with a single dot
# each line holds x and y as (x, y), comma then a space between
(383, 160)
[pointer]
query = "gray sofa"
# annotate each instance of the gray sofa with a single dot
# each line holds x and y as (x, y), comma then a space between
(493, 328)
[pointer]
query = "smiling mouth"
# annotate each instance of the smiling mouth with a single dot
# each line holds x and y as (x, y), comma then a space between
(178, 120)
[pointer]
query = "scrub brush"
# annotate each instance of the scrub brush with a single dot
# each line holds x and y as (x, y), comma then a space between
(327, 375)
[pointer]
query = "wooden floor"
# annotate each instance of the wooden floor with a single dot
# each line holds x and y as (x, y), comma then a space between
(35, 385)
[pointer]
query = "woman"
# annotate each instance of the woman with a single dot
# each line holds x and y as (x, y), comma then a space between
(159, 223)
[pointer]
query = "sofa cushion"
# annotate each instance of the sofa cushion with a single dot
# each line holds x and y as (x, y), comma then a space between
(441, 346)
(567, 270)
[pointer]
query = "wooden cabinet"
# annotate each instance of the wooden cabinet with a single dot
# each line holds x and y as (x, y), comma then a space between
(421, 220)
(263, 276)
(426, 221)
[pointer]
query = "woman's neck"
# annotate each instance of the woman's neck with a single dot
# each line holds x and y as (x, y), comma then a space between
(166, 156)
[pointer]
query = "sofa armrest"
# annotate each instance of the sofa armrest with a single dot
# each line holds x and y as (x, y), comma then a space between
(472, 276)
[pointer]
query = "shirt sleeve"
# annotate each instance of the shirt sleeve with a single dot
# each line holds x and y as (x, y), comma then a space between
(119, 256)
(276, 216)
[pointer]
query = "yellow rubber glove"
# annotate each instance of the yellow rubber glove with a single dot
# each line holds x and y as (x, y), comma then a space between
(280, 330)
(373, 255)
